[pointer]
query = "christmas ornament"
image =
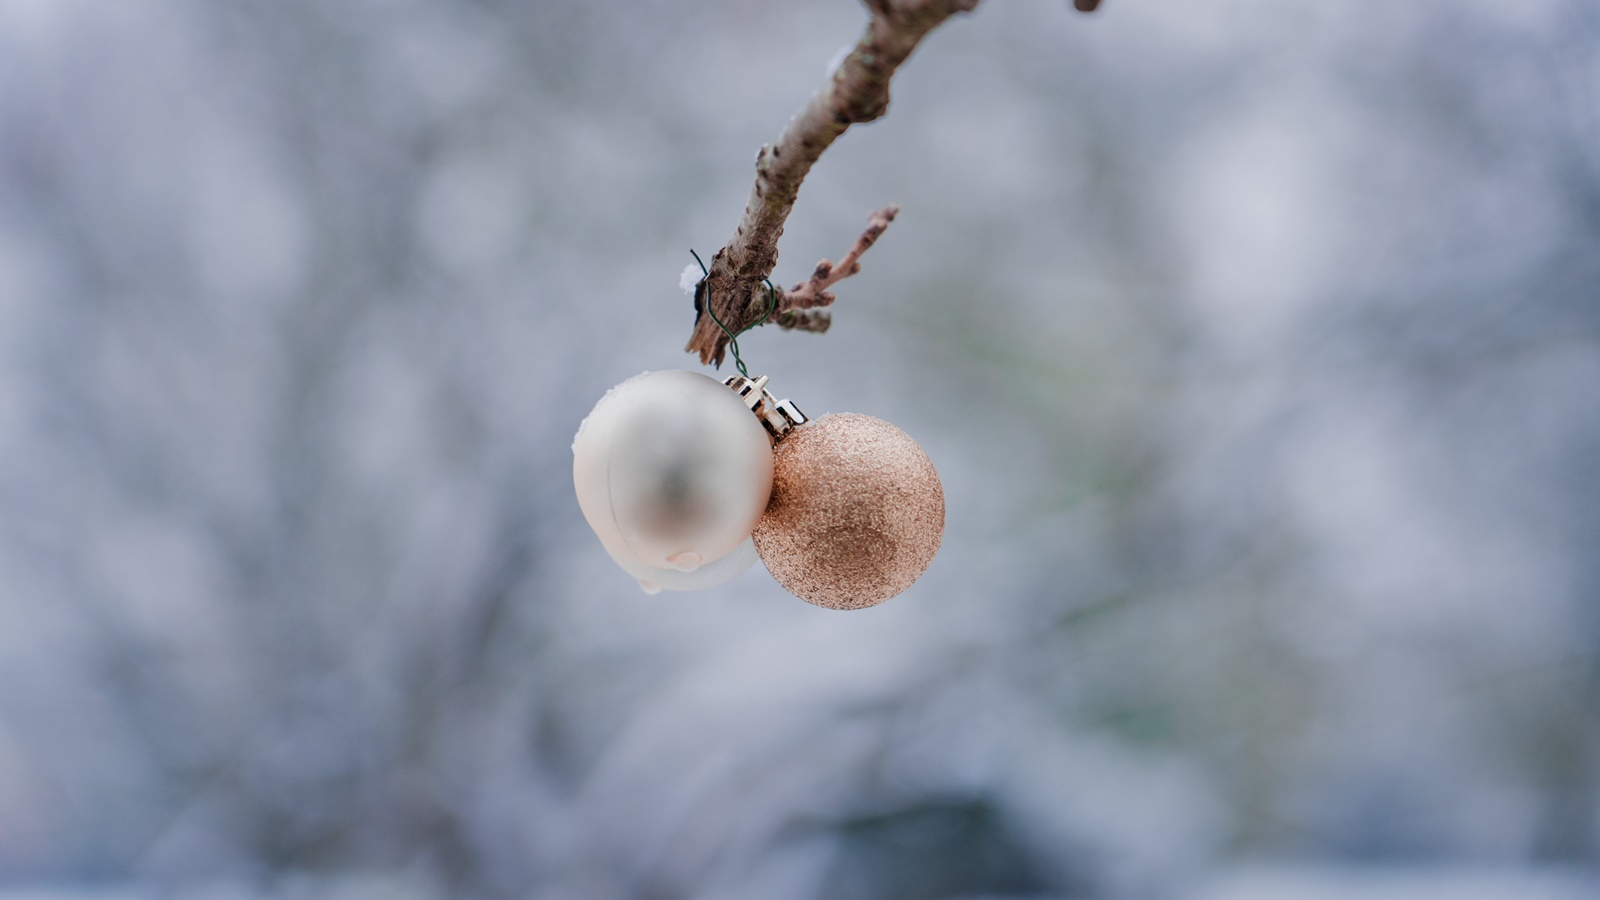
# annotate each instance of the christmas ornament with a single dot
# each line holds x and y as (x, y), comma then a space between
(672, 471)
(856, 513)
(677, 476)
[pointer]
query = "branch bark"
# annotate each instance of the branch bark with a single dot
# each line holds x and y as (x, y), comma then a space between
(857, 91)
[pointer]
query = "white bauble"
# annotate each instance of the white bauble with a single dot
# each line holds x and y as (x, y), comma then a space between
(718, 571)
(672, 471)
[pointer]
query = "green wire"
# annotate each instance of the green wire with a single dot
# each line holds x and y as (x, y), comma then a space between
(733, 339)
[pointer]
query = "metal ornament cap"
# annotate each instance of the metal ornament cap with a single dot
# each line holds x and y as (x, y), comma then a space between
(856, 514)
(778, 417)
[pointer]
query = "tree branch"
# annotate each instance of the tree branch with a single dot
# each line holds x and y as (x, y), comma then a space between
(857, 91)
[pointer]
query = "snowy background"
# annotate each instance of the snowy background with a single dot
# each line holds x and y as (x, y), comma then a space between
(1258, 346)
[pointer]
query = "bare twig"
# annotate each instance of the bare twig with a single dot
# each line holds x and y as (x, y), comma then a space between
(857, 91)
(815, 321)
(814, 292)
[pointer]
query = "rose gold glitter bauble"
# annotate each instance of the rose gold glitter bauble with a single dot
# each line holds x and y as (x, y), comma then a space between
(856, 512)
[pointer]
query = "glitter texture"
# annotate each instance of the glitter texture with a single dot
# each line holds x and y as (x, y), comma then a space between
(856, 513)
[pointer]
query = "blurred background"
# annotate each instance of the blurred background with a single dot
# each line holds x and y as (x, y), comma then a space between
(1257, 344)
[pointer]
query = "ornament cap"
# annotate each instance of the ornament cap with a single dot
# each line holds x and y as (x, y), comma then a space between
(779, 417)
